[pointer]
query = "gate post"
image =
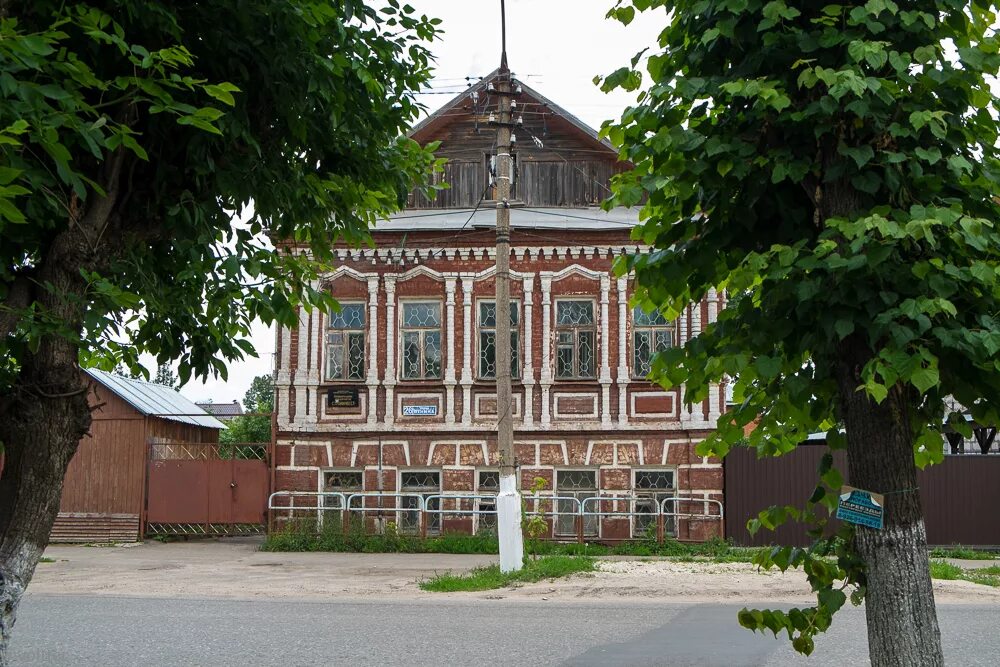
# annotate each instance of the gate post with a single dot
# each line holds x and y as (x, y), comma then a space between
(579, 527)
(659, 528)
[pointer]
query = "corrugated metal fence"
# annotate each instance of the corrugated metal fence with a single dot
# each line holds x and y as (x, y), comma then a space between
(960, 496)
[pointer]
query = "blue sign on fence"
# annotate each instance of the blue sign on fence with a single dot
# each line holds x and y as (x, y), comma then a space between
(861, 507)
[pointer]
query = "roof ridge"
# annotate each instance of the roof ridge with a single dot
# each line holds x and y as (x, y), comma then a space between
(556, 108)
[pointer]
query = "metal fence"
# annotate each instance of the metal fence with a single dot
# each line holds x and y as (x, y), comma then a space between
(950, 493)
(422, 514)
(206, 488)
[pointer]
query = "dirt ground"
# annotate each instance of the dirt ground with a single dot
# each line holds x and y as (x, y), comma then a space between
(235, 569)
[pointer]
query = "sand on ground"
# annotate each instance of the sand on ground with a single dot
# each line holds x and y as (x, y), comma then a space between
(235, 568)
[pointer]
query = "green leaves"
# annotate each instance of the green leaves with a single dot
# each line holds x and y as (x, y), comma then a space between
(835, 170)
(223, 92)
(290, 117)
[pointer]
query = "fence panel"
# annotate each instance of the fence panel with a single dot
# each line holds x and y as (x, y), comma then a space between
(950, 493)
(206, 488)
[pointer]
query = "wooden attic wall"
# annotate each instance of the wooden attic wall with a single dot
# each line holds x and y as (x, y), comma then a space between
(571, 169)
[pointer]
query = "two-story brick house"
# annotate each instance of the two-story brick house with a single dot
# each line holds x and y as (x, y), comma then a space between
(396, 392)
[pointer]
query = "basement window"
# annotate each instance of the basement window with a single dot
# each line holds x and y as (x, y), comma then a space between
(425, 483)
(579, 484)
(651, 488)
(487, 483)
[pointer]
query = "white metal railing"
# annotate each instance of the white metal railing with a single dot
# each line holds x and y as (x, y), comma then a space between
(458, 510)
(435, 505)
(630, 500)
(694, 500)
(306, 494)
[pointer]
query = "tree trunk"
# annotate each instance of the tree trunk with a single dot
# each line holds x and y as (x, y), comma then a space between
(899, 604)
(43, 415)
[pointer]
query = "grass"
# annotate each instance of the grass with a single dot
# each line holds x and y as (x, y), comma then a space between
(490, 577)
(304, 535)
(987, 576)
(962, 553)
(43, 559)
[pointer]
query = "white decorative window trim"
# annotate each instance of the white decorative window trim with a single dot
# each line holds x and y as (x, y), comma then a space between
(403, 302)
(593, 328)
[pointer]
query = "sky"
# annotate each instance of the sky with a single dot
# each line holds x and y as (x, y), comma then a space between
(555, 46)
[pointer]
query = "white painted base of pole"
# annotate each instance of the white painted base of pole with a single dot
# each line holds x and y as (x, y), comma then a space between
(509, 525)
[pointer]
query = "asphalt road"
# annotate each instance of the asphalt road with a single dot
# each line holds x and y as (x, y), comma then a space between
(55, 630)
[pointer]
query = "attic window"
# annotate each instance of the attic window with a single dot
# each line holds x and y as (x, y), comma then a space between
(491, 175)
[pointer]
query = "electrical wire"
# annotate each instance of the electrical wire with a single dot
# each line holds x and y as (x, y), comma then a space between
(457, 234)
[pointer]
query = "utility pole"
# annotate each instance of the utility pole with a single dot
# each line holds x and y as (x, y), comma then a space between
(509, 499)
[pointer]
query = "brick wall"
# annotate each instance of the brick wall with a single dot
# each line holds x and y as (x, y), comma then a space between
(300, 460)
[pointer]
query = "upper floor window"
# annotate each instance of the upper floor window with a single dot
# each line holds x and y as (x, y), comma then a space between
(651, 333)
(488, 340)
(575, 339)
(345, 343)
(421, 340)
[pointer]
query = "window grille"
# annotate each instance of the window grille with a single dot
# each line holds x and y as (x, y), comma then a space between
(651, 487)
(579, 484)
(426, 483)
(345, 343)
(341, 481)
(575, 340)
(651, 334)
(421, 341)
(488, 483)
(488, 337)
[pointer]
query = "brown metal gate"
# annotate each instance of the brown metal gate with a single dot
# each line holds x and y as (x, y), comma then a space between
(206, 489)
(957, 495)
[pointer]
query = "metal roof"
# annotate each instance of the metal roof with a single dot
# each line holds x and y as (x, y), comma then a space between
(155, 400)
(228, 410)
(590, 219)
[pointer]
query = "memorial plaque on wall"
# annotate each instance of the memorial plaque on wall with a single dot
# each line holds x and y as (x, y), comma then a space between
(346, 397)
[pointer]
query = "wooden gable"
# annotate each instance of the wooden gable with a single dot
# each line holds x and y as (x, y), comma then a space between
(571, 168)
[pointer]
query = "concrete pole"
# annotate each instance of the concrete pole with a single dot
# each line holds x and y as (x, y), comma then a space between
(509, 498)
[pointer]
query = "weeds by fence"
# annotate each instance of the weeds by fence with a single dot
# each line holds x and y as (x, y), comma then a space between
(306, 535)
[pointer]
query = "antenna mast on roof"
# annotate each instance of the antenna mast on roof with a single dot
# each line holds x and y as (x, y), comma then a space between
(508, 499)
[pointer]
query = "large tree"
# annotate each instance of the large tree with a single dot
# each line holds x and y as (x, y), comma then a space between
(833, 167)
(255, 426)
(165, 376)
(132, 132)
